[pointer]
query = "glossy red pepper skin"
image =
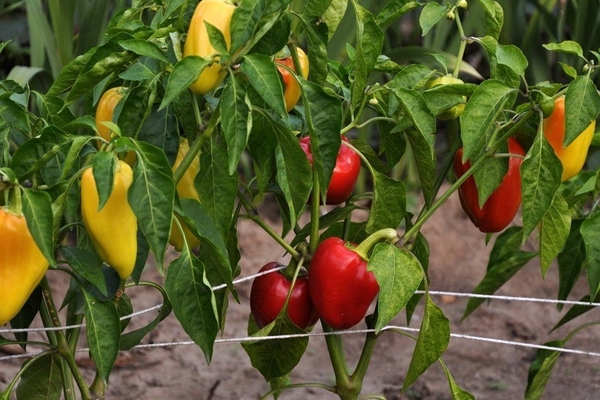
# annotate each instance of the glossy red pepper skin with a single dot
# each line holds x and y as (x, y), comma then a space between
(341, 288)
(345, 173)
(268, 295)
(502, 206)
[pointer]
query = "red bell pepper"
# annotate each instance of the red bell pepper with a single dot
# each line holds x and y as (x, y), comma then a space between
(345, 173)
(268, 295)
(502, 206)
(340, 287)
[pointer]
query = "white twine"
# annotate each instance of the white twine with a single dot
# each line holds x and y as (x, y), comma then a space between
(250, 339)
(349, 332)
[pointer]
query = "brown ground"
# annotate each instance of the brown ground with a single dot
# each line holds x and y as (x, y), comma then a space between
(458, 259)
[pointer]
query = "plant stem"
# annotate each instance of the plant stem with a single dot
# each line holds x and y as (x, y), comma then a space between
(336, 354)
(196, 146)
(363, 363)
(314, 213)
(63, 346)
(259, 221)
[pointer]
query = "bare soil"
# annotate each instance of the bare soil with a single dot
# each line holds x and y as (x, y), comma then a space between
(458, 260)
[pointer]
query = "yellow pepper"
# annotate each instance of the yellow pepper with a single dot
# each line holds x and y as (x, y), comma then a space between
(572, 156)
(22, 264)
(217, 13)
(104, 113)
(112, 229)
(185, 190)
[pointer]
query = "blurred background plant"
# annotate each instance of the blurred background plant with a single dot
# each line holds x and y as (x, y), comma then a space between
(46, 35)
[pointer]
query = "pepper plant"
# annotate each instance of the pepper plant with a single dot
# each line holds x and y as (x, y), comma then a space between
(201, 91)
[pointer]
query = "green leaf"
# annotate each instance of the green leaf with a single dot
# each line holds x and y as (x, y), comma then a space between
(217, 187)
(274, 358)
(431, 14)
(582, 105)
(103, 332)
(245, 21)
(151, 197)
(44, 150)
(424, 155)
(144, 48)
(481, 111)
(135, 107)
(433, 339)
(275, 36)
(540, 370)
(103, 168)
(389, 203)
(333, 15)
(133, 338)
(213, 252)
(261, 146)
(316, 40)
(217, 39)
(265, 79)
(399, 274)
(37, 207)
(393, 10)
(456, 391)
(294, 172)
(324, 126)
(105, 60)
(590, 232)
(41, 379)
(574, 312)
(236, 121)
(571, 261)
(567, 46)
(512, 57)
(489, 177)
(494, 17)
(86, 264)
(505, 261)
(368, 48)
(554, 231)
(184, 74)
(193, 300)
(540, 173)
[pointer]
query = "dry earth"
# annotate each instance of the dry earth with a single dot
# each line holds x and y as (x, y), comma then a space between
(490, 371)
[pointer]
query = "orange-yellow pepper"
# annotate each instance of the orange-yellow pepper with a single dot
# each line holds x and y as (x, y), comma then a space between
(185, 190)
(572, 156)
(217, 13)
(292, 91)
(22, 264)
(113, 228)
(104, 113)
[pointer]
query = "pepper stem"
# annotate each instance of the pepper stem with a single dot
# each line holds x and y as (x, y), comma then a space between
(386, 234)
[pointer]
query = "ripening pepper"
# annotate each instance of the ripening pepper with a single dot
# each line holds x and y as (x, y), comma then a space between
(340, 286)
(112, 229)
(268, 295)
(22, 264)
(292, 91)
(185, 190)
(105, 111)
(456, 110)
(502, 206)
(572, 156)
(217, 13)
(345, 173)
